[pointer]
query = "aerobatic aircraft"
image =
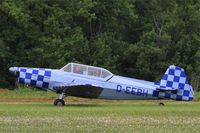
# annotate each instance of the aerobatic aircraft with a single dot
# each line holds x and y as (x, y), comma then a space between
(95, 82)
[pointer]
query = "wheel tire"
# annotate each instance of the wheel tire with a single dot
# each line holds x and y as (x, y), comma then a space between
(59, 102)
(161, 104)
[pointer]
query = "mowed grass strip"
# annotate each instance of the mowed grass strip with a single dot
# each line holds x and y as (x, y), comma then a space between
(89, 115)
(99, 117)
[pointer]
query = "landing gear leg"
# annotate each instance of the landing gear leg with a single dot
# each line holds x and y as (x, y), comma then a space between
(161, 104)
(60, 101)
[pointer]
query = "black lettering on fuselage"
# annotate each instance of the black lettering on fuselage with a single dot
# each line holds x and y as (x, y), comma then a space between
(128, 90)
(132, 90)
(119, 88)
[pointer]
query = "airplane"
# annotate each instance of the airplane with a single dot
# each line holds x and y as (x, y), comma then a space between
(86, 81)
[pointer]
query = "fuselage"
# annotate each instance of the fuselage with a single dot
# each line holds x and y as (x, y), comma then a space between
(114, 87)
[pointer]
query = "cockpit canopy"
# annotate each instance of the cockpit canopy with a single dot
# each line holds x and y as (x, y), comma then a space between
(86, 70)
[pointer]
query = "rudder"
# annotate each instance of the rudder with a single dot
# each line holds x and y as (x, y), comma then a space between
(175, 82)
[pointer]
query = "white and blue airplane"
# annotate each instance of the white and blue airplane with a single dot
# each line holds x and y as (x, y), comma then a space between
(94, 82)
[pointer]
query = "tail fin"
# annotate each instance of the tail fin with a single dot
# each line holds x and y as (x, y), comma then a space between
(175, 80)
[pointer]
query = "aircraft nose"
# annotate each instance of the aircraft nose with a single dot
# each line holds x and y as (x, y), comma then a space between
(13, 70)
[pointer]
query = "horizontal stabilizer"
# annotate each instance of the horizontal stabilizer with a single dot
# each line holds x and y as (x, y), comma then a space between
(166, 89)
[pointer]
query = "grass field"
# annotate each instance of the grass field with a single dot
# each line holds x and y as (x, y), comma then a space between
(25, 110)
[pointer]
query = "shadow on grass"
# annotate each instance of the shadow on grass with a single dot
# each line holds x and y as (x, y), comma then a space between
(83, 105)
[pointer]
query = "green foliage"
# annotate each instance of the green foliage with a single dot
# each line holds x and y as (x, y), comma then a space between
(137, 38)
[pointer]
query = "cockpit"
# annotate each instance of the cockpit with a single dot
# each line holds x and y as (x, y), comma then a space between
(87, 70)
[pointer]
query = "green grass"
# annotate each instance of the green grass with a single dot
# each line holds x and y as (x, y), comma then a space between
(85, 115)
(26, 93)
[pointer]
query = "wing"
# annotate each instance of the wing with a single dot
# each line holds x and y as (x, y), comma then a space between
(80, 90)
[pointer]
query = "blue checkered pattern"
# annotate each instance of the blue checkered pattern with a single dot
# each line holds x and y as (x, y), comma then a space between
(174, 85)
(38, 77)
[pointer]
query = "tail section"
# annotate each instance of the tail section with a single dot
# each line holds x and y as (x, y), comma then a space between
(174, 85)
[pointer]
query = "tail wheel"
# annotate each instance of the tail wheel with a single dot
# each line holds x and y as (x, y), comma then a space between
(59, 102)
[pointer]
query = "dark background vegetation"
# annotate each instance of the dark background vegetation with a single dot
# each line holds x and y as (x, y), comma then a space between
(135, 38)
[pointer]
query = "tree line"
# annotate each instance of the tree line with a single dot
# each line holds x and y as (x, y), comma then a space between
(135, 38)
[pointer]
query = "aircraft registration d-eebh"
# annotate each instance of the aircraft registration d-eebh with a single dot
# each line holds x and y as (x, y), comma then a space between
(94, 82)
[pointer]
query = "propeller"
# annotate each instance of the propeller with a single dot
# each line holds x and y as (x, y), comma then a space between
(15, 71)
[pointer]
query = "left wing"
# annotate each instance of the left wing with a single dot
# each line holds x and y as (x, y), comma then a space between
(80, 90)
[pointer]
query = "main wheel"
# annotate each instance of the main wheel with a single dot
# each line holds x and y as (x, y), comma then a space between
(161, 104)
(59, 102)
